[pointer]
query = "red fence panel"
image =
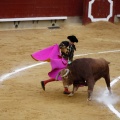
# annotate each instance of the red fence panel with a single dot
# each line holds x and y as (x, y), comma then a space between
(47, 8)
(117, 6)
(40, 8)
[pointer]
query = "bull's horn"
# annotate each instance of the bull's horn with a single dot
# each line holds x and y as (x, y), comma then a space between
(67, 71)
(57, 76)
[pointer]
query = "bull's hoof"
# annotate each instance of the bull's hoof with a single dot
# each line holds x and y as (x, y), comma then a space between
(89, 99)
(70, 95)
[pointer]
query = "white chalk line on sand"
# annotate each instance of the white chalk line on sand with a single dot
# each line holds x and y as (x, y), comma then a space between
(110, 51)
(110, 106)
(5, 76)
(107, 99)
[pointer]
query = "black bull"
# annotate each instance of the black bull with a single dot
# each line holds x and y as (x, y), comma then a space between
(86, 71)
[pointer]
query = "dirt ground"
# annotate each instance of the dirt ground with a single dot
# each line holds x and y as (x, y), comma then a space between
(21, 95)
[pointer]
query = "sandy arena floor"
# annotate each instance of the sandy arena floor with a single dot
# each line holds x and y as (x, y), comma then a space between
(21, 95)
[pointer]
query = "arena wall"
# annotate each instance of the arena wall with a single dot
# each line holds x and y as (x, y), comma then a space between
(40, 8)
(74, 10)
(117, 6)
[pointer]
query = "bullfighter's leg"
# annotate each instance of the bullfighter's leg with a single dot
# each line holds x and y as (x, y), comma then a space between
(43, 83)
(91, 84)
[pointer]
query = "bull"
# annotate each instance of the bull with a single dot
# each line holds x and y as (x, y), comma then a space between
(85, 71)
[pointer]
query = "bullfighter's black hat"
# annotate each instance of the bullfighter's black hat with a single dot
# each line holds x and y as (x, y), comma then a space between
(72, 38)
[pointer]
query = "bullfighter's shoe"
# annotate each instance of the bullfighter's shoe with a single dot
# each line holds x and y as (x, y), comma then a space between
(66, 92)
(43, 85)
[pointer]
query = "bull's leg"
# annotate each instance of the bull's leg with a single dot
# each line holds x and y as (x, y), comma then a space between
(91, 83)
(75, 88)
(107, 80)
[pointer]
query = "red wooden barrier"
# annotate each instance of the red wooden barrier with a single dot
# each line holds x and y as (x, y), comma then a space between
(100, 9)
(40, 8)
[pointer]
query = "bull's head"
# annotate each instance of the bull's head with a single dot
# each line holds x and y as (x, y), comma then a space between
(65, 77)
(63, 73)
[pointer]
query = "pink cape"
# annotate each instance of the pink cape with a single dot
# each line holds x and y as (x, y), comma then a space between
(51, 54)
